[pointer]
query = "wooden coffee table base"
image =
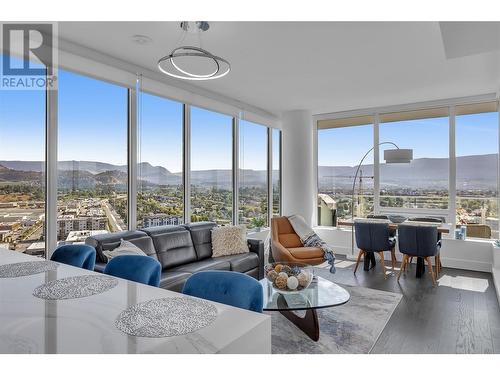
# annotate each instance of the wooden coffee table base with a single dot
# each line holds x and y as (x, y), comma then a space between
(308, 324)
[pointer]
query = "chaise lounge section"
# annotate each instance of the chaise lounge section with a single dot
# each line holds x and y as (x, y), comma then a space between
(182, 250)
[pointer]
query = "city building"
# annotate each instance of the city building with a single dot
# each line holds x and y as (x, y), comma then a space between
(79, 236)
(161, 219)
(70, 223)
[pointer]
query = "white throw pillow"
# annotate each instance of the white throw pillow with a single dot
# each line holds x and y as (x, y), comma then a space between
(125, 248)
(229, 240)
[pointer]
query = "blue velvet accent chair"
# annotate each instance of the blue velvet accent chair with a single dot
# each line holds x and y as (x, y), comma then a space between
(138, 268)
(419, 241)
(227, 287)
(373, 237)
(82, 256)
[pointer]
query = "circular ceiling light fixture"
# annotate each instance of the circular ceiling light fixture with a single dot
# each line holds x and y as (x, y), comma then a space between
(193, 63)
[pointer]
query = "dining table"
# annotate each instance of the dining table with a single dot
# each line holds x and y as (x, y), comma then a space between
(30, 324)
(369, 259)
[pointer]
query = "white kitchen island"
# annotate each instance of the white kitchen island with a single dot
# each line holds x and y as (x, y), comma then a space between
(87, 325)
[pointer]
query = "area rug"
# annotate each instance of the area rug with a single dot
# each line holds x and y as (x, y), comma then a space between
(352, 328)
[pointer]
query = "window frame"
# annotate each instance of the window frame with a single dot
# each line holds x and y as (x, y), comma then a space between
(322, 121)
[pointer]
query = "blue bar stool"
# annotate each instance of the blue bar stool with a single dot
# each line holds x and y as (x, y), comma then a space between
(82, 256)
(138, 268)
(227, 287)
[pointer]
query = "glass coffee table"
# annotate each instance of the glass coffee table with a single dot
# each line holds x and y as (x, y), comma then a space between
(320, 294)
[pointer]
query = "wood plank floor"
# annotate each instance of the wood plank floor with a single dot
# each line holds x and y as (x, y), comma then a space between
(460, 315)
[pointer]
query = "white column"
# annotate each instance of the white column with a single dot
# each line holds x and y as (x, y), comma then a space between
(51, 172)
(186, 161)
(299, 196)
(132, 157)
(236, 170)
(376, 165)
(452, 174)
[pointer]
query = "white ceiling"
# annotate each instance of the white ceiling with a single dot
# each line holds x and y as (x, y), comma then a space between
(320, 66)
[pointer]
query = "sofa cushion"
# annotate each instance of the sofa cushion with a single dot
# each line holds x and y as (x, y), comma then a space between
(201, 234)
(205, 264)
(110, 241)
(173, 246)
(242, 262)
(173, 280)
(306, 252)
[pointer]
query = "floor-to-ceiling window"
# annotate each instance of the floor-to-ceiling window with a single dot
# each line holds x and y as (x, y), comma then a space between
(252, 190)
(276, 172)
(160, 193)
(341, 145)
(476, 129)
(22, 169)
(211, 166)
(423, 183)
(92, 157)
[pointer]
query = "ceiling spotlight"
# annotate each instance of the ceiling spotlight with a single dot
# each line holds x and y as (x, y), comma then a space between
(141, 39)
(193, 63)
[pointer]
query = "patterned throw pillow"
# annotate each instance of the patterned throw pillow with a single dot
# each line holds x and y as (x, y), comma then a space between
(229, 240)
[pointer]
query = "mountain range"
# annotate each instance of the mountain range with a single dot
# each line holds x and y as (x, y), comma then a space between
(473, 172)
(86, 174)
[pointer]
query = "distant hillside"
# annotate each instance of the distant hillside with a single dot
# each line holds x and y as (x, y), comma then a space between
(7, 174)
(473, 172)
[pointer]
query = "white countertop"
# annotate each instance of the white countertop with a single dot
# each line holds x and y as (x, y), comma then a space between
(87, 325)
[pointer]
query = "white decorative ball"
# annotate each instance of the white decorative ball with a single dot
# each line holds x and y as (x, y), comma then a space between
(292, 283)
(303, 279)
(283, 274)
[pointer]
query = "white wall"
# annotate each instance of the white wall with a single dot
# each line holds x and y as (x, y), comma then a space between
(298, 177)
(472, 254)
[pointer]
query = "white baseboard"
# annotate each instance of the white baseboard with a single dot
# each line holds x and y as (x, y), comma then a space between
(466, 264)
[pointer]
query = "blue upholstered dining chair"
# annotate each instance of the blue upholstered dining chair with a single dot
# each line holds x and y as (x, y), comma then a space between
(82, 256)
(373, 237)
(418, 241)
(429, 219)
(227, 287)
(138, 268)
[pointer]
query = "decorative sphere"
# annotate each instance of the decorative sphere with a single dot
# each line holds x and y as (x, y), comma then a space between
(280, 281)
(303, 279)
(283, 274)
(278, 268)
(287, 269)
(272, 275)
(292, 283)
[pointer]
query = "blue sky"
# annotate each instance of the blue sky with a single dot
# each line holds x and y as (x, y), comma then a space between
(93, 126)
(475, 134)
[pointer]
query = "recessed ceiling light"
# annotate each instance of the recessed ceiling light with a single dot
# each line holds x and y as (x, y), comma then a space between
(141, 39)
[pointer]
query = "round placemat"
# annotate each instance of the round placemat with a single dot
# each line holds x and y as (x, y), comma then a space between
(26, 268)
(75, 287)
(166, 317)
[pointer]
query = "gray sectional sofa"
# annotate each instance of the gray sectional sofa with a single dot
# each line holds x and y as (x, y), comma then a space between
(182, 250)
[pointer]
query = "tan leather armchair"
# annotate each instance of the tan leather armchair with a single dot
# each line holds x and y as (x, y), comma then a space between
(286, 245)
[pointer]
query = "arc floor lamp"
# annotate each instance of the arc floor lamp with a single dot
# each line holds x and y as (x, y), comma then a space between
(391, 156)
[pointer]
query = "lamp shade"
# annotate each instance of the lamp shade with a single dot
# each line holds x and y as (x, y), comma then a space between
(398, 155)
